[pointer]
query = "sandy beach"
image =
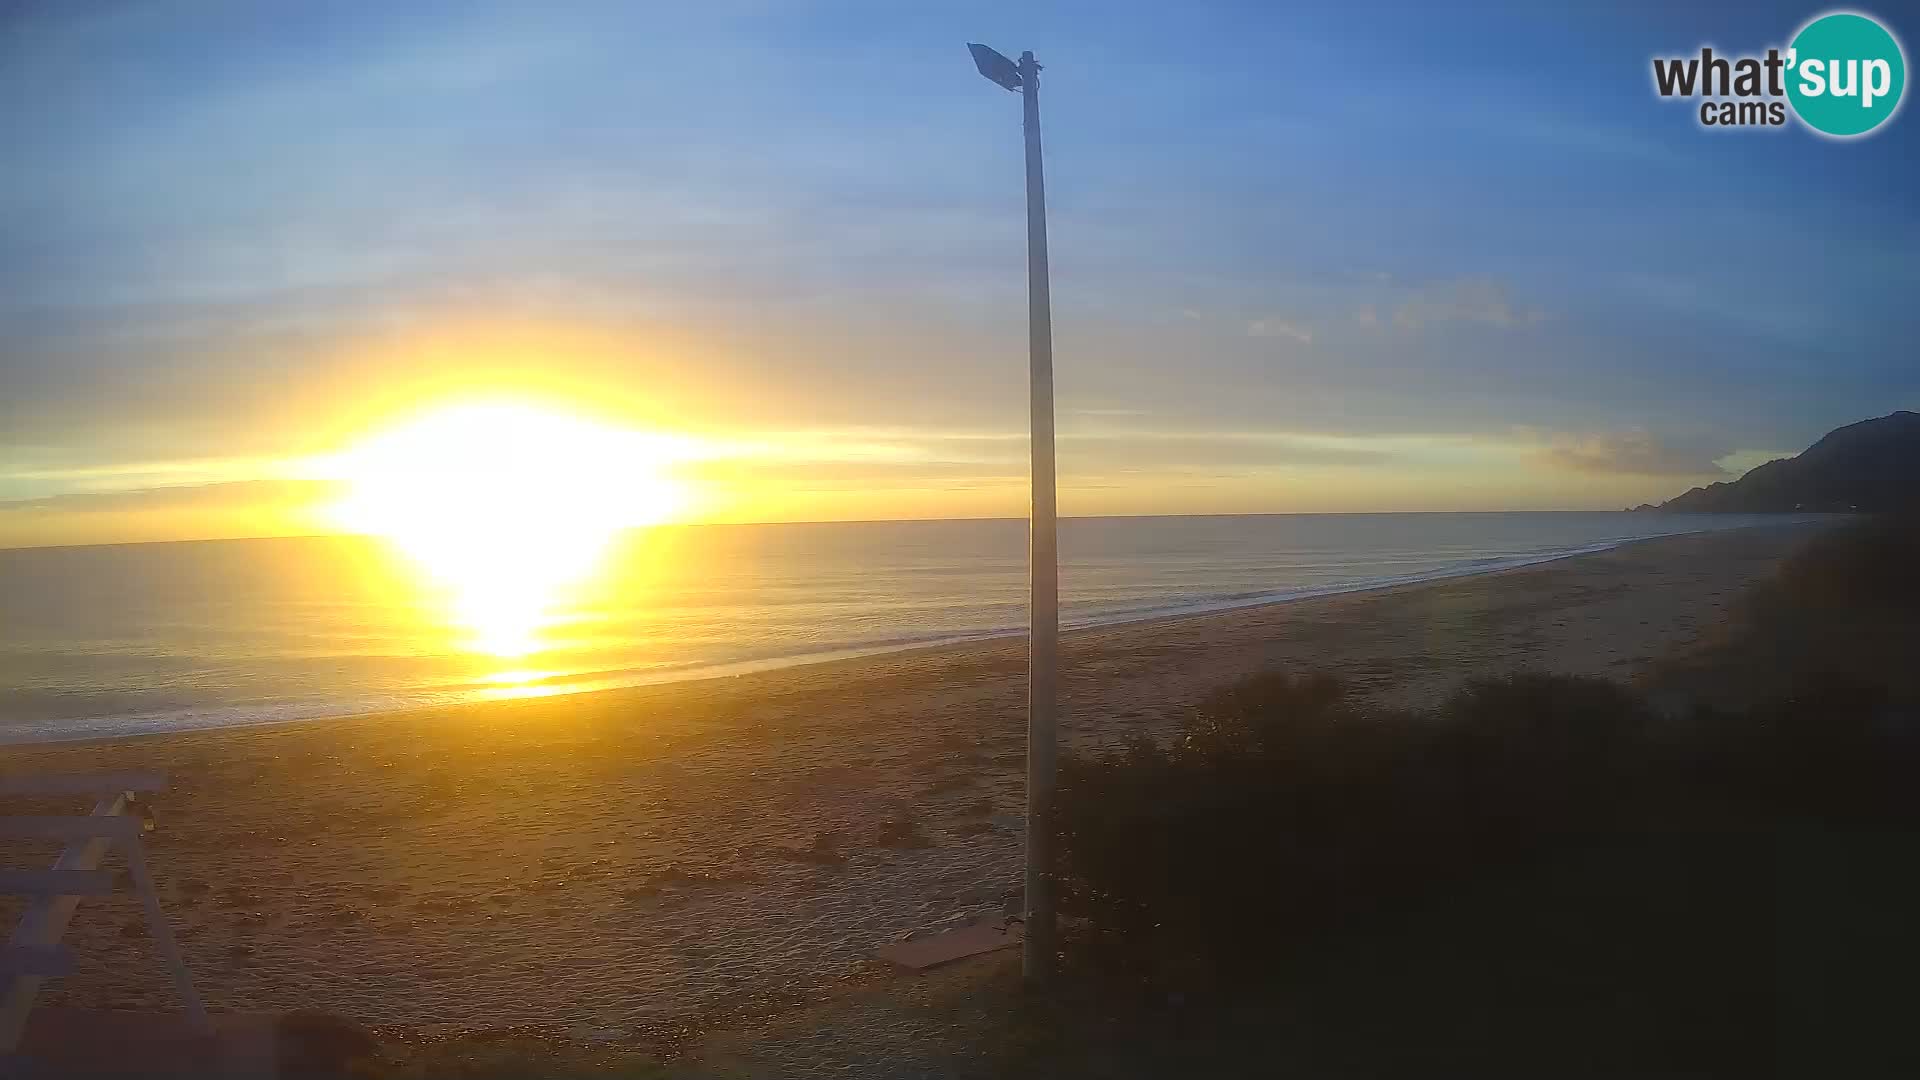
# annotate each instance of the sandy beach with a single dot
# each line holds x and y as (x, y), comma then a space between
(635, 860)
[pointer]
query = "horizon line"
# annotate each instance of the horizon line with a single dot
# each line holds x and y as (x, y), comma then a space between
(850, 521)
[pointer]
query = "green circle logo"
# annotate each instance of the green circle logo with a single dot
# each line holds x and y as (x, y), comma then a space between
(1845, 74)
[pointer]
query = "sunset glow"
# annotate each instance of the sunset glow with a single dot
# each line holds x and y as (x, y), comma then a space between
(1292, 304)
(504, 505)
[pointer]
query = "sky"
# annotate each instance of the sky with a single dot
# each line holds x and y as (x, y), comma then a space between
(1306, 258)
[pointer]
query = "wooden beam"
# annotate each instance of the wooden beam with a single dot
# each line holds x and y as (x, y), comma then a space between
(115, 826)
(41, 961)
(46, 919)
(58, 882)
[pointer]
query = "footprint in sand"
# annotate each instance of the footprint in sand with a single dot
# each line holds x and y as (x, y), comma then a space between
(825, 849)
(949, 784)
(981, 807)
(902, 831)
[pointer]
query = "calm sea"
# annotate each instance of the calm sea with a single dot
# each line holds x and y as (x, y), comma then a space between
(98, 641)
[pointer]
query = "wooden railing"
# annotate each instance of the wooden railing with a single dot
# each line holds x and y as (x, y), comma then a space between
(34, 953)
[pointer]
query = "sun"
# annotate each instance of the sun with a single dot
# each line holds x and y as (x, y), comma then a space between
(504, 505)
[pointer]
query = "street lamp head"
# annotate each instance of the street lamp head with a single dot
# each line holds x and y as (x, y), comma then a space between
(996, 67)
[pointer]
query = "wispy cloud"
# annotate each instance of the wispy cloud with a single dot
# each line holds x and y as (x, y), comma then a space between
(231, 494)
(1279, 328)
(1740, 462)
(21, 482)
(1634, 453)
(1469, 300)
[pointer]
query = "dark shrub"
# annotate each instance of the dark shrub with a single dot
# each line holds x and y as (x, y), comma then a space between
(1532, 754)
(1283, 808)
(1832, 749)
(1866, 567)
(1843, 610)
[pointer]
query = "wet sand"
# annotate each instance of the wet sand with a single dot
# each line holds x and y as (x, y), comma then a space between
(635, 860)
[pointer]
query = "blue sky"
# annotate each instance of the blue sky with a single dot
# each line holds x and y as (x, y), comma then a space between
(1352, 256)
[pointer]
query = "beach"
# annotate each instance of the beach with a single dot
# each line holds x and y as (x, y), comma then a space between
(643, 860)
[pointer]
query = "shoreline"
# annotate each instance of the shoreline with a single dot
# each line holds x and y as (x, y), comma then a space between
(645, 858)
(744, 668)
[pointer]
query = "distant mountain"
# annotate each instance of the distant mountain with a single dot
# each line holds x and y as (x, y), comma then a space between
(1871, 467)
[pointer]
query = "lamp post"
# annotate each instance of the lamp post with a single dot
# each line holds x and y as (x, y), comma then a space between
(1044, 560)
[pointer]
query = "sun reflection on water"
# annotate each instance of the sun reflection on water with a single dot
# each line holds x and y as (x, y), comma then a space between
(508, 512)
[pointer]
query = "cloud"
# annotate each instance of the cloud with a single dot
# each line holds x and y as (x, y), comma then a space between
(1466, 300)
(1269, 328)
(268, 507)
(235, 494)
(882, 452)
(27, 481)
(1160, 450)
(1741, 462)
(1634, 453)
(752, 478)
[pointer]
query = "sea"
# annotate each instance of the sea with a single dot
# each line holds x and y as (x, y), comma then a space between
(123, 640)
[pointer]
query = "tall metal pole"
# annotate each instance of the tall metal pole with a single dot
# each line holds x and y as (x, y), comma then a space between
(1043, 643)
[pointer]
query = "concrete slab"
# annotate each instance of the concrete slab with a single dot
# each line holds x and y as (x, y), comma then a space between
(921, 953)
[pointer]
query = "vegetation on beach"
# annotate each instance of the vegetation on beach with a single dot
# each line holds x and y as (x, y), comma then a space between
(1285, 809)
(1543, 872)
(1844, 609)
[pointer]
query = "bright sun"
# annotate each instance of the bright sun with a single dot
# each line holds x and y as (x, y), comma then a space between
(504, 505)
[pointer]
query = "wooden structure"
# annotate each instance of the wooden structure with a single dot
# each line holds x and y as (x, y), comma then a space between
(34, 953)
(921, 953)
